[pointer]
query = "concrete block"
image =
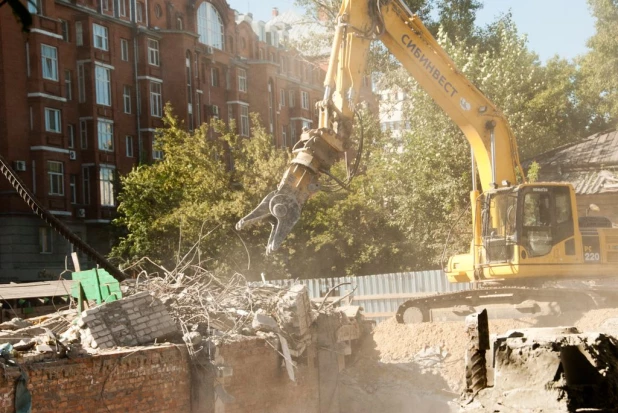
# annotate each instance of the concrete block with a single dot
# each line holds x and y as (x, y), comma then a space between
(264, 322)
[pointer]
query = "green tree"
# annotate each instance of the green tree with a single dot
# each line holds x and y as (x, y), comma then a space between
(193, 196)
(599, 67)
(352, 232)
(457, 18)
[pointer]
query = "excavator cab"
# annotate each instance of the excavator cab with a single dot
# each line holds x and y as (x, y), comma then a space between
(519, 225)
(526, 221)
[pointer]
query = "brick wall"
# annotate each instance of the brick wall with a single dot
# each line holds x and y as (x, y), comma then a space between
(159, 380)
(151, 380)
(259, 382)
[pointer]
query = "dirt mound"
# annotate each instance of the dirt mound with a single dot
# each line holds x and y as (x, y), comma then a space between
(601, 321)
(402, 343)
(422, 365)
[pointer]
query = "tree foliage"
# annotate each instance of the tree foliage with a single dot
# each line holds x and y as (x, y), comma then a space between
(599, 67)
(192, 195)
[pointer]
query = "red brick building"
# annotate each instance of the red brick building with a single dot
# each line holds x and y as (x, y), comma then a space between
(82, 94)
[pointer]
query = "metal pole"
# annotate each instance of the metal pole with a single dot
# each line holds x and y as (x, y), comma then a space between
(491, 125)
(473, 169)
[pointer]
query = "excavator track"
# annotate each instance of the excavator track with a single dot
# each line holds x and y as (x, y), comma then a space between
(62, 229)
(505, 302)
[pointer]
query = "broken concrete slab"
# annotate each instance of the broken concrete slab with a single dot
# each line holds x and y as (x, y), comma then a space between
(264, 322)
(135, 320)
(15, 324)
(294, 311)
(553, 369)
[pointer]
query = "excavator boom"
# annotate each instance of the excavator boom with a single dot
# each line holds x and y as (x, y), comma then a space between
(359, 22)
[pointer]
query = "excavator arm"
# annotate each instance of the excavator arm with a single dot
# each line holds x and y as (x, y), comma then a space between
(359, 22)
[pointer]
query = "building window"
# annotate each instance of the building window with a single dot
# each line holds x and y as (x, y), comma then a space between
(198, 110)
(45, 236)
(244, 120)
(261, 54)
(71, 136)
(153, 52)
(316, 109)
(99, 34)
(156, 102)
(106, 181)
(189, 90)
(214, 111)
(282, 98)
(34, 6)
(122, 8)
(64, 29)
(81, 83)
(157, 153)
(284, 136)
(86, 185)
(103, 88)
(139, 13)
(306, 125)
(242, 80)
(126, 98)
(210, 26)
(105, 131)
(49, 56)
(304, 100)
(73, 188)
(79, 34)
(292, 100)
(55, 172)
(124, 50)
(68, 92)
(105, 5)
(83, 134)
(52, 120)
(179, 24)
(129, 146)
(292, 133)
(214, 77)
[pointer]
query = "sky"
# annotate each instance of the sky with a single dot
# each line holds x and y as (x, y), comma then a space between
(553, 27)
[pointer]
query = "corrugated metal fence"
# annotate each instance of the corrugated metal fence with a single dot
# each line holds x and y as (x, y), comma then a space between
(381, 295)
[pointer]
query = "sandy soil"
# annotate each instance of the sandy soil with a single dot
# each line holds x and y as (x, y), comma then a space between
(389, 375)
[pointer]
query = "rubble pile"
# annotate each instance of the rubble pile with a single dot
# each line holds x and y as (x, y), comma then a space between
(560, 369)
(198, 310)
(204, 306)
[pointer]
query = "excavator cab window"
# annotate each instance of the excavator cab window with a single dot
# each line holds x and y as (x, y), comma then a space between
(537, 234)
(499, 226)
(546, 220)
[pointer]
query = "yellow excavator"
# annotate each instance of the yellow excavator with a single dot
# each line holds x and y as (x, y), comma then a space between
(530, 254)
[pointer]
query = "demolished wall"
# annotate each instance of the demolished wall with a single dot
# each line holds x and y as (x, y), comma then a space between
(161, 379)
(251, 378)
(282, 357)
(147, 379)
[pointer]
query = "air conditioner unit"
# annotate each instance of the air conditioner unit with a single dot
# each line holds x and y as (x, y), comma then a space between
(72, 155)
(81, 213)
(209, 50)
(19, 166)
